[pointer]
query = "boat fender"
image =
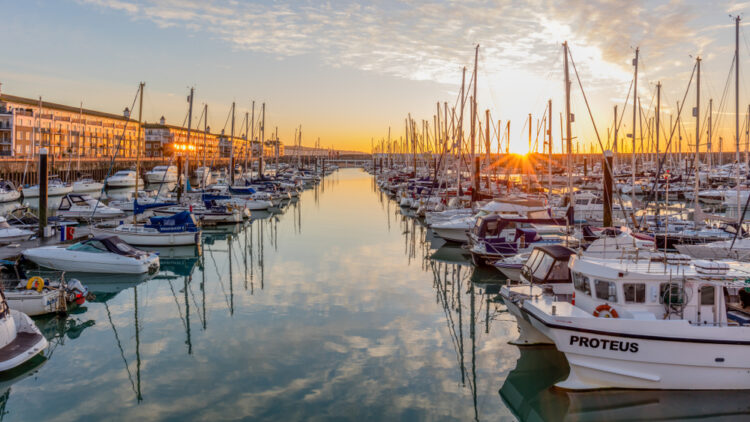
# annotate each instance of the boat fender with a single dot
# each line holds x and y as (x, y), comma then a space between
(35, 282)
(605, 311)
(573, 300)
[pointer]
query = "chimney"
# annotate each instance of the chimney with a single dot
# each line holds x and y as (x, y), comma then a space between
(126, 113)
(162, 120)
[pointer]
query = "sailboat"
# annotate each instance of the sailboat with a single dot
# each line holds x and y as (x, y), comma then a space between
(174, 230)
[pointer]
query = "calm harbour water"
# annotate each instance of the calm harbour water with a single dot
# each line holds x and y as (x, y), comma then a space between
(339, 308)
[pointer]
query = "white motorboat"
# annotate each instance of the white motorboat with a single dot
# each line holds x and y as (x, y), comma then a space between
(100, 254)
(204, 175)
(123, 179)
(55, 187)
(20, 339)
(162, 174)
(662, 322)
(76, 205)
(8, 192)
(86, 185)
(174, 230)
(250, 204)
(738, 250)
(144, 198)
(10, 234)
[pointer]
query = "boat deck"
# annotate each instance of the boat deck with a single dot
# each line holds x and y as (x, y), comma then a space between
(11, 251)
(19, 345)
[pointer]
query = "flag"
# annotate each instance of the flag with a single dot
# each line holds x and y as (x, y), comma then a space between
(67, 233)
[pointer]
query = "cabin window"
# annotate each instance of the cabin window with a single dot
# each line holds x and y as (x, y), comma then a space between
(64, 203)
(581, 283)
(582, 202)
(533, 259)
(544, 265)
(559, 271)
(605, 290)
(707, 295)
(634, 293)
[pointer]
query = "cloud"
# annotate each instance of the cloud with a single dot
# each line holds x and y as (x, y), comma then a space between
(427, 40)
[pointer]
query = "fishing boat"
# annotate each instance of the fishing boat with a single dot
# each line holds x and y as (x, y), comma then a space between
(10, 234)
(123, 179)
(82, 206)
(173, 230)
(660, 322)
(55, 187)
(162, 174)
(20, 339)
(86, 185)
(99, 254)
(8, 192)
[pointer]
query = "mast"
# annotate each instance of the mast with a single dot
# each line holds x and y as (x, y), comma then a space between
(475, 190)
(635, 108)
(231, 150)
(549, 145)
(247, 135)
(138, 148)
(658, 118)
(205, 135)
(187, 147)
(262, 139)
(737, 111)
(252, 138)
(696, 114)
(568, 134)
(614, 142)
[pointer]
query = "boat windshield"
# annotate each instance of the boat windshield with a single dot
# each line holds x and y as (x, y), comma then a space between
(93, 246)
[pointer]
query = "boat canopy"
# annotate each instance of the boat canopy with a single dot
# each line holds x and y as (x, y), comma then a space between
(180, 222)
(107, 243)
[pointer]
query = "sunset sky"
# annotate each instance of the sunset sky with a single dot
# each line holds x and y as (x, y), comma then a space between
(345, 71)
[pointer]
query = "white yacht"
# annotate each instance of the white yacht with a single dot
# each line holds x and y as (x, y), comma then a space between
(660, 322)
(76, 205)
(204, 175)
(162, 174)
(123, 179)
(86, 185)
(10, 234)
(55, 187)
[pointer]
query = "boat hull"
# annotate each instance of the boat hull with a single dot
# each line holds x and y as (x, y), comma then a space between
(153, 239)
(88, 263)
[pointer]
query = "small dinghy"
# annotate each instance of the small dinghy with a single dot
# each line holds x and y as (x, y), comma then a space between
(20, 339)
(99, 254)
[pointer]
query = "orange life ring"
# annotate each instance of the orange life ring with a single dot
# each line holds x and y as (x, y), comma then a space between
(605, 311)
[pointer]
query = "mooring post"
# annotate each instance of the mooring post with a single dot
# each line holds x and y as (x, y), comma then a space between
(43, 176)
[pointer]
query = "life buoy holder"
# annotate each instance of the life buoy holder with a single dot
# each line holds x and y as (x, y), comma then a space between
(605, 311)
(35, 282)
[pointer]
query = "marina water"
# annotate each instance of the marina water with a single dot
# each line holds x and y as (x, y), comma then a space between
(341, 307)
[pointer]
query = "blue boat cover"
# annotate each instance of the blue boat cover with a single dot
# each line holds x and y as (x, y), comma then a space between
(180, 222)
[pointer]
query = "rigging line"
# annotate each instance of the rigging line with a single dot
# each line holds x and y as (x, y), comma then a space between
(598, 139)
(669, 141)
(625, 106)
(724, 97)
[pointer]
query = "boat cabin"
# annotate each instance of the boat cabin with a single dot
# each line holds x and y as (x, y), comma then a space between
(669, 286)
